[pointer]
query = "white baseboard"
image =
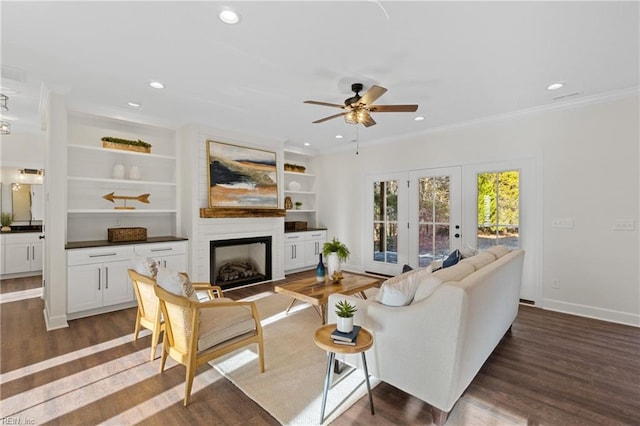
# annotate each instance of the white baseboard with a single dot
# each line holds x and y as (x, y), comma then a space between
(619, 317)
(54, 323)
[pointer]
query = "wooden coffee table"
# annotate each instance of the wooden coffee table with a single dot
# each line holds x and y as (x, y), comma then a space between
(317, 292)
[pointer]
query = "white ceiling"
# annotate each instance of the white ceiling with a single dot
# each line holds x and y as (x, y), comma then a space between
(460, 61)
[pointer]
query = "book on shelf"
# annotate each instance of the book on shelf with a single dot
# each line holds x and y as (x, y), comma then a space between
(346, 337)
(342, 342)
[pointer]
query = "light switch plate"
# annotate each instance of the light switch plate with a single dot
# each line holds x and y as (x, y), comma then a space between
(562, 222)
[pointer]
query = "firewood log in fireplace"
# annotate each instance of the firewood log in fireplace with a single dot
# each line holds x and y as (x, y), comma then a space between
(236, 270)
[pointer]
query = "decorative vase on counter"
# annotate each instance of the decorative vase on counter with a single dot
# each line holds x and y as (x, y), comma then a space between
(118, 171)
(333, 263)
(320, 271)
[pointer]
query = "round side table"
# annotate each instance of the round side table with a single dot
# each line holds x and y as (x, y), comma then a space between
(324, 340)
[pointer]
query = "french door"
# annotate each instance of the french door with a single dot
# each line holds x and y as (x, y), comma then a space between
(414, 219)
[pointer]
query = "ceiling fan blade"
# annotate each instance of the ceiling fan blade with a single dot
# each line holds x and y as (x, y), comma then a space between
(393, 108)
(329, 117)
(324, 104)
(372, 94)
(368, 121)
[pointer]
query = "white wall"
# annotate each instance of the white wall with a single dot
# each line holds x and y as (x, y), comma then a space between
(590, 161)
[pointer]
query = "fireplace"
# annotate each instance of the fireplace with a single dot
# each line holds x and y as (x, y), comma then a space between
(240, 261)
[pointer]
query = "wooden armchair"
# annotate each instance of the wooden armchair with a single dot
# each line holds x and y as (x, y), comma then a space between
(196, 333)
(149, 313)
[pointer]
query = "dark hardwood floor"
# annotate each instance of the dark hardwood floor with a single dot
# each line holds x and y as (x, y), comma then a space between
(552, 369)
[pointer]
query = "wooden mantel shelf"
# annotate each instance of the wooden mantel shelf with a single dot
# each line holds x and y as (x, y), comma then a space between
(241, 212)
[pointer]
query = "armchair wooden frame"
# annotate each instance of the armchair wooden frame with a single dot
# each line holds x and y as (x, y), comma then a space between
(149, 312)
(182, 323)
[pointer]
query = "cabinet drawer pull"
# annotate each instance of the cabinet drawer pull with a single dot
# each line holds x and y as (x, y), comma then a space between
(106, 276)
(163, 249)
(27, 253)
(99, 277)
(102, 255)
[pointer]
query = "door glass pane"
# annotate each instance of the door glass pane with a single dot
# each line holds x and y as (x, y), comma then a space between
(433, 215)
(499, 209)
(385, 221)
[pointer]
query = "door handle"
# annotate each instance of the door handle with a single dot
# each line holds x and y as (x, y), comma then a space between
(457, 235)
(106, 278)
(99, 277)
(41, 237)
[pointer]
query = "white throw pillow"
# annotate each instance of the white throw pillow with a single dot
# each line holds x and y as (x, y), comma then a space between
(468, 251)
(399, 290)
(145, 265)
(176, 283)
(479, 260)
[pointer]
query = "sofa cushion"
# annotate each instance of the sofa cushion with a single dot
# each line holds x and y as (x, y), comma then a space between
(498, 251)
(176, 283)
(426, 287)
(454, 273)
(220, 324)
(145, 265)
(479, 260)
(400, 290)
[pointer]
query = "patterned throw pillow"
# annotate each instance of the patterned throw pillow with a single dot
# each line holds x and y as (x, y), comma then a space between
(176, 283)
(145, 265)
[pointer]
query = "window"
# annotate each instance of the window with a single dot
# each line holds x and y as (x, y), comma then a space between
(385, 221)
(499, 209)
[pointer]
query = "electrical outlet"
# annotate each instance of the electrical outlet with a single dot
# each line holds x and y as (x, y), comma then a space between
(562, 222)
(555, 283)
(623, 225)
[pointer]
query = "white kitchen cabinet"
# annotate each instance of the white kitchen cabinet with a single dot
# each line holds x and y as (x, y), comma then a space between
(97, 278)
(294, 250)
(314, 240)
(22, 253)
(302, 249)
(170, 255)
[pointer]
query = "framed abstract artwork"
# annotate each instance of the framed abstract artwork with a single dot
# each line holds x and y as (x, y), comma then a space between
(241, 177)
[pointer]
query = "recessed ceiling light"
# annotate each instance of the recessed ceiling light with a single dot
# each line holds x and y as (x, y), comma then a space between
(338, 136)
(307, 144)
(419, 118)
(555, 86)
(134, 104)
(229, 17)
(156, 85)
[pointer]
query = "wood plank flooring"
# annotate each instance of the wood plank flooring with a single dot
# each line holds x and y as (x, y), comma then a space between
(553, 369)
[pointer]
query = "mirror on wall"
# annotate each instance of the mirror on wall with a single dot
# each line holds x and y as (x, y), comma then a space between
(26, 202)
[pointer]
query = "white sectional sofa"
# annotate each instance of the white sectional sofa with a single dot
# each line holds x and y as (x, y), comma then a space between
(433, 347)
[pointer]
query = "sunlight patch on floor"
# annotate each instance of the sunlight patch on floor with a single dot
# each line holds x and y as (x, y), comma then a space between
(15, 296)
(282, 315)
(68, 357)
(153, 406)
(61, 396)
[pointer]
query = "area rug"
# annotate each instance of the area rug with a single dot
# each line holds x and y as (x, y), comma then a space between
(291, 387)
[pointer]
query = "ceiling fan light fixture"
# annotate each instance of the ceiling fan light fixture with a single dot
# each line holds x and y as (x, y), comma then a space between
(351, 117)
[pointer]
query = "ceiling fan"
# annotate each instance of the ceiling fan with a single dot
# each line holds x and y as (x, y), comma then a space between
(358, 108)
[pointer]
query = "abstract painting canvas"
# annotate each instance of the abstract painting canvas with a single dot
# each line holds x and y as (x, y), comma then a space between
(241, 177)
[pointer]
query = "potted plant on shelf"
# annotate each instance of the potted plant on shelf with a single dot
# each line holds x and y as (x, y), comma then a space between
(335, 252)
(298, 205)
(6, 219)
(345, 312)
(126, 144)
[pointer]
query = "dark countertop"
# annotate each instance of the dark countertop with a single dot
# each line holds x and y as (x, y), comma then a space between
(105, 243)
(20, 229)
(306, 230)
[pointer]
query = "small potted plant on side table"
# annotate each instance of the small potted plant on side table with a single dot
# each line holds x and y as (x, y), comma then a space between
(345, 312)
